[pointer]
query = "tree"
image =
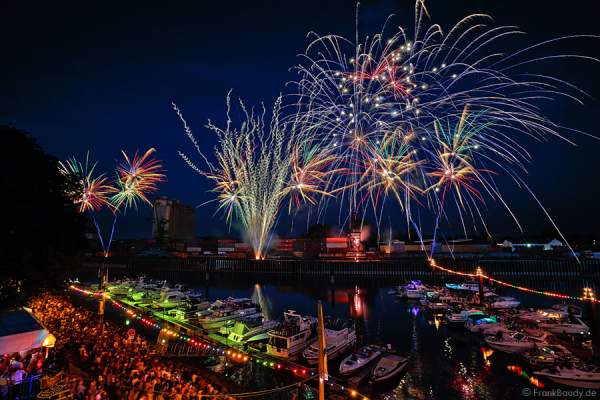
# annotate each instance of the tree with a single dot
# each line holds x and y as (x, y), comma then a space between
(41, 233)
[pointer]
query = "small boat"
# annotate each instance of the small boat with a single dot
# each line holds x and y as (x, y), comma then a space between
(504, 303)
(570, 309)
(461, 316)
(586, 377)
(546, 356)
(572, 326)
(437, 306)
(338, 339)
(538, 316)
(465, 287)
(514, 342)
(475, 323)
(359, 359)
(413, 290)
(388, 367)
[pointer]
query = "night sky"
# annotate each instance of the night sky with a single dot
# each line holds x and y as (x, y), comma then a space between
(102, 77)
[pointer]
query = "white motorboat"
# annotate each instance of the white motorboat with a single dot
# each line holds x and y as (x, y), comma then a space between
(478, 323)
(290, 338)
(359, 359)
(171, 298)
(549, 355)
(461, 316)
(388, 367)
(120, 288)
(221, 316)
(250, 330)
(413, 290)
(437, 306)
(570, 309)
(513, 342)
(538, 316)
(572, 326)
(337, 340)
(504, 303)
(585, 377)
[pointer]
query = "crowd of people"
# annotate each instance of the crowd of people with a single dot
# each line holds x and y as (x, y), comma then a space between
(103, 362)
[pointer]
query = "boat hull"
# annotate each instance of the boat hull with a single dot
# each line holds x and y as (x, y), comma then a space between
(573, 382)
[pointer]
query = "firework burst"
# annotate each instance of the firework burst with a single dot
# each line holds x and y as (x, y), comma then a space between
(458, 110)
(136, 178)
(251, 171)
(93, 191)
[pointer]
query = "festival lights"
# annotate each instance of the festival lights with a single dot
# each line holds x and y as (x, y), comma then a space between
(588, 294)
(233, 354)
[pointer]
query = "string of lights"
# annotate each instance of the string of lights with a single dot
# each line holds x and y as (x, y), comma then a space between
(231, 353)
(588, 294)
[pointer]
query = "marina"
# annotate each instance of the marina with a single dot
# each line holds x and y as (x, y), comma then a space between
(496, 337)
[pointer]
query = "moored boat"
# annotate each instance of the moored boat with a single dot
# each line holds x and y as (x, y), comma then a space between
(460, 317)
(359, 359)
(292, 336)
(478, 323)
(549, 355)
(585, 377)
(388, 367)
(570, 326)
(413, 290)
(513, 342)
(250, 330)
(504, 303)
(230, 312)
(339, 337)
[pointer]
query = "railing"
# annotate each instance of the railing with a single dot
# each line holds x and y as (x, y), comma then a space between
(413, 266)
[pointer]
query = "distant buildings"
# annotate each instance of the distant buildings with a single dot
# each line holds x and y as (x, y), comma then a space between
(173, 222)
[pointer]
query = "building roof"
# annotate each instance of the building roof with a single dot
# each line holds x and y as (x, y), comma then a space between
(17, 321)
(20, 331)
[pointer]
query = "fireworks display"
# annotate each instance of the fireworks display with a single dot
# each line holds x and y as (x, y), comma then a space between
(92, 193)
(136, 178)
(252, 171)
(428, 118)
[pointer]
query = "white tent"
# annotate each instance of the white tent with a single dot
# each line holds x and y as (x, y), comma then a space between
(21, 331)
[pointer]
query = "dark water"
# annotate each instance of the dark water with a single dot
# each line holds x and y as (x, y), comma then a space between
(446, 362)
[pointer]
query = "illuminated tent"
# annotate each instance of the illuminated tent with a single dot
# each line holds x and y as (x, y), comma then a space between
(20, 331)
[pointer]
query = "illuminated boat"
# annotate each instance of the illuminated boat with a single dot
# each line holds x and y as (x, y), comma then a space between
(461, 316)
(290, 338)
(546, 356)
(231, 311)
(413, 290)
(339, 337)
(513, 342)
(360, 359)
(586, 377)
(478, 323)
(248, 330)
(571, 326)
(504, 303)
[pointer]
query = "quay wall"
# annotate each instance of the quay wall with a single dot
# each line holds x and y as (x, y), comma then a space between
(411, 267)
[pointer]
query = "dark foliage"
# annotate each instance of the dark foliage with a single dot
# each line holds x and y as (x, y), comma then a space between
(41, 232)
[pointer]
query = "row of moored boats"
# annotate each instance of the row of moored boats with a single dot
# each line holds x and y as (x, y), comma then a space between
(240, 322)
(534, 335)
